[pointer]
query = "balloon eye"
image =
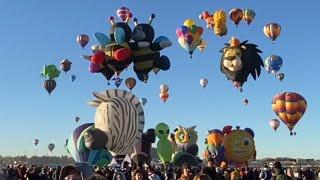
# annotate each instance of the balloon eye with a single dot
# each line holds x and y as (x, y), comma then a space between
(237, 143)
(246, 142)
(161, 132)
(167, 131)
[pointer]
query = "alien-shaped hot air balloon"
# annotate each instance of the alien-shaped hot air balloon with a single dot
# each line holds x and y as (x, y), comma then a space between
(272, 31)
(239, 60)
(50, 72)
(189, 36)
(289, 107)
(119, 122)
(164, 147)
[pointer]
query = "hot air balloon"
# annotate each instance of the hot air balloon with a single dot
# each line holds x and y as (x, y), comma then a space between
(36, 142)
(83, 40)
(130, 83)
(50, 72)
(289, 107)
(143, 101)
(203, 82)
(51, 147)
(273, 64)
(117, 81)
(65, 65)
(164, 88)
(245, 101)
(274, 124)
(124, 13)
(119, 122)
(202, 46)
(73, 77)
(77, 118)
(189, 36)
(75, 145)
(164, 96)
(272, 31)
(220, 23)
(236, 16)
(248, 15)
(280, 76)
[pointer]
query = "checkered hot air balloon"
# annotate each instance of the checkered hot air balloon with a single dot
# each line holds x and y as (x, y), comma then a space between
(289, 107)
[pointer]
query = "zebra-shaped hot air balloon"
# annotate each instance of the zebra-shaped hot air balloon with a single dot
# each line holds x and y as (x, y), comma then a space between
(119, 122)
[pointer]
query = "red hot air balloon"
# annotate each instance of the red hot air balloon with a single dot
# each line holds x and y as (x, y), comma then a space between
(236, 15)
(49, 85)
(124, 13)
(83, 40)
(289, 107)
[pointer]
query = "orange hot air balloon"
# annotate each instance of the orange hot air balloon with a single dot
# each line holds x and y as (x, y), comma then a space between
(131, 83)
(236, 15)
(289, 107)
(215, 138)
(272, 31)
(164, 96)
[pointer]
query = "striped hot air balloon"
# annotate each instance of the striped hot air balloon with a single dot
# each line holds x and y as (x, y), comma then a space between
(83, 40)
(124, 13)
(272, 31)
(236, 16)
(289, 107)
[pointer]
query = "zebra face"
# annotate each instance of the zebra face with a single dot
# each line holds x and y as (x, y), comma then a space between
(95, 139)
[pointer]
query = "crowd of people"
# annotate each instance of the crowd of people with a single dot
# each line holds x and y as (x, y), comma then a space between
(82, 171)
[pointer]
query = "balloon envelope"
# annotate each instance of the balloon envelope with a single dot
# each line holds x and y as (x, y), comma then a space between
(51, 147)
(289, 107)
(273, 63)
(130, 82)
(272, 31)
(203, 82)
(274, 124)
(83, 40)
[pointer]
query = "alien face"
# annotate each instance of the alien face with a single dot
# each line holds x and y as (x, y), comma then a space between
(162, 131)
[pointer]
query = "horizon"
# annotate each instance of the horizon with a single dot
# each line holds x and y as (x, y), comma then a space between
(40, 33)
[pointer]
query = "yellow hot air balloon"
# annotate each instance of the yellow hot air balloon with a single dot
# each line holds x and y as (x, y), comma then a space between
(289, 107)
(188, 22)
(272, 31)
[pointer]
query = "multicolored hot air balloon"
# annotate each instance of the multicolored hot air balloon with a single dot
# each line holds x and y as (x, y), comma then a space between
(36, 142)
(80, 153)
(83, 40)
(189, 36)
(272, 31)
(50, 72)
(65, 65)
(289, 107)
(273, 64)
(280, 76)
(203, 82)
(248, 15)
(130, 83)
(124, 13)
(51, 147)
(236, 16)
(274, 124)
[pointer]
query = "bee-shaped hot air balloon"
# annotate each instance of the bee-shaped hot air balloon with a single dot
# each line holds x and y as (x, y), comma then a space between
(146, 50)
(289, 107)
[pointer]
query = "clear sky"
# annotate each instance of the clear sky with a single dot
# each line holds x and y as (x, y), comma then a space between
(34, 33)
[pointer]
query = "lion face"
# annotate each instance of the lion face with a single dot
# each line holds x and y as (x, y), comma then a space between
(232, 59)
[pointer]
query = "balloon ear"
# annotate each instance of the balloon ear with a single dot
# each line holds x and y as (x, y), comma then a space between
(163, 63)
(102, 38)
(175, 130)
(119, 35)
(250, 131)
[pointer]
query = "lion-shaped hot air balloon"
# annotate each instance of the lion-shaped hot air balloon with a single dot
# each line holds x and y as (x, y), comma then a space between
(119, 122)
(289, 107)
(239, 60)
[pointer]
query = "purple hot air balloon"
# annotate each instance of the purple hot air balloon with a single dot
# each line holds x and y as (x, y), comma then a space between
(83, 40)
(94, 68)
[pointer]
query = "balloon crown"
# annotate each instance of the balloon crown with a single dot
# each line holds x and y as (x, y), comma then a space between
(234, 42)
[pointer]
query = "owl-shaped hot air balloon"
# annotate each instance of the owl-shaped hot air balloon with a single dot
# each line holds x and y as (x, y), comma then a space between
(289, 107)
(120, 118)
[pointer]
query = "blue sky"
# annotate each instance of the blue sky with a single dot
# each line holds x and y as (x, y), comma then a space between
(34, 33)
